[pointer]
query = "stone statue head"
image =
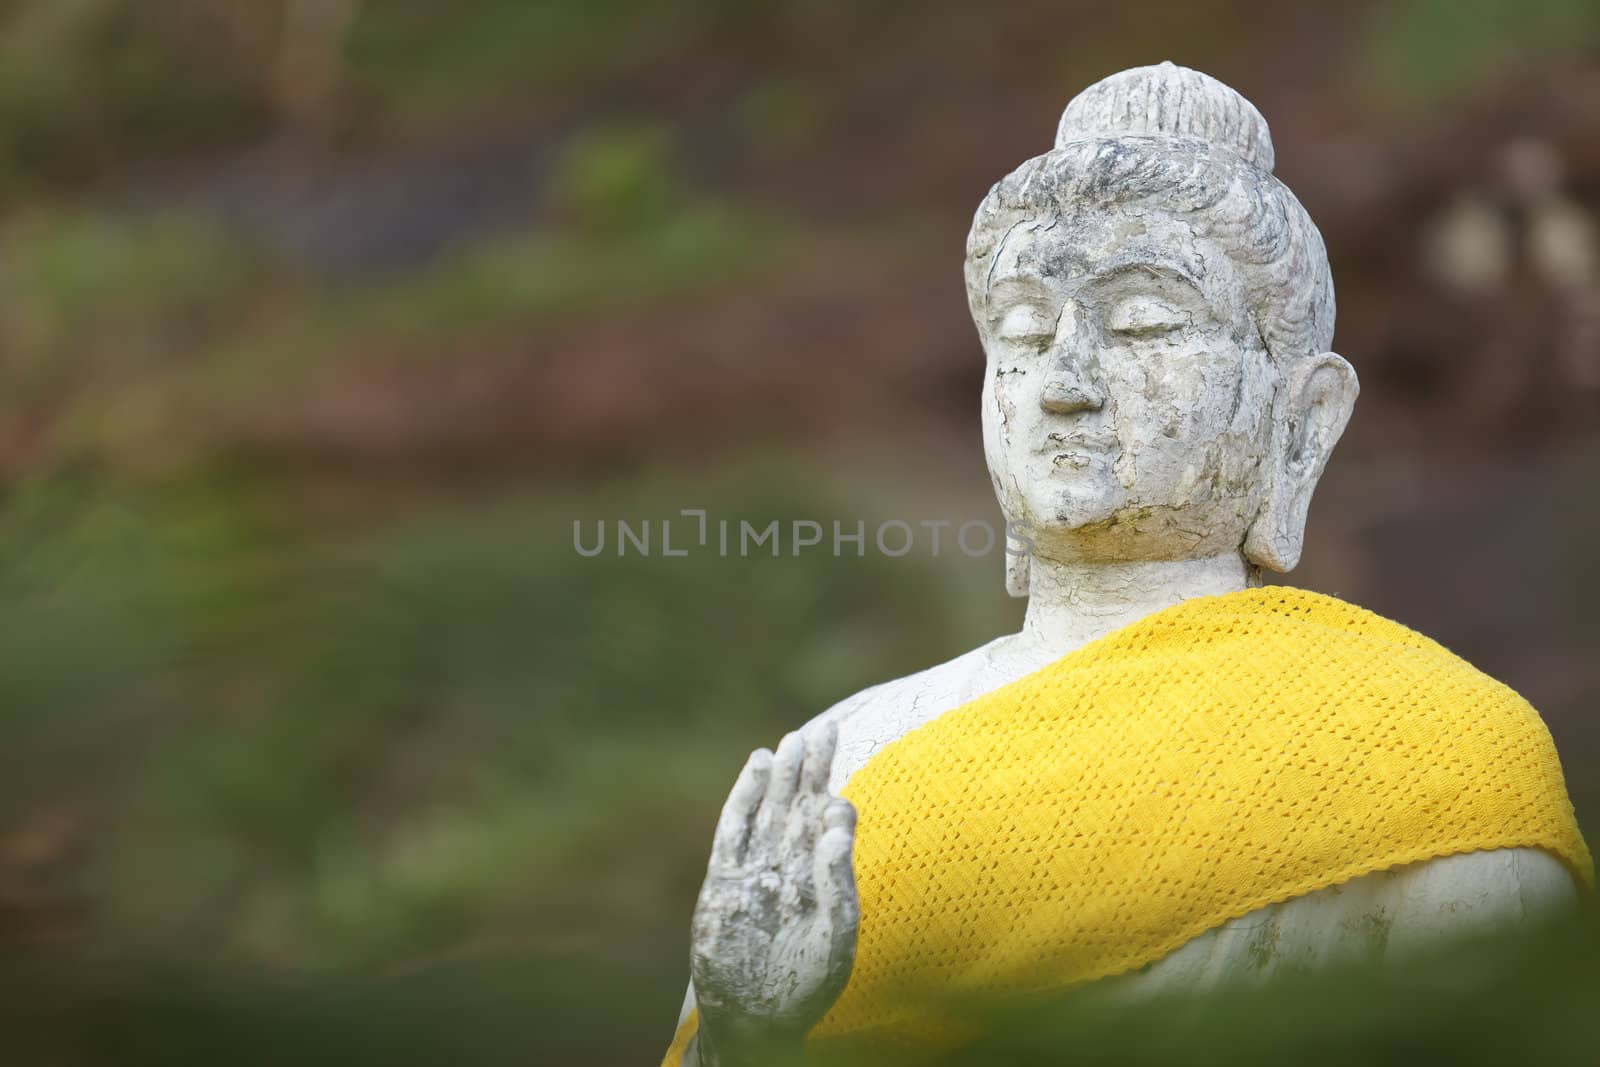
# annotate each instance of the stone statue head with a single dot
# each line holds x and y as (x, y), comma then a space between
(1156, 311)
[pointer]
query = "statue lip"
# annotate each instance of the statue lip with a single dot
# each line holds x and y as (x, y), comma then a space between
(1077, 451)
(1070, 443)
(1072, 461)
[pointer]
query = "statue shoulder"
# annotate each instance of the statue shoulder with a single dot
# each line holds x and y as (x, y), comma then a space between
(875, 716)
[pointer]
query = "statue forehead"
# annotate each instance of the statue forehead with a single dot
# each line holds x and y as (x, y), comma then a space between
(1067, 250)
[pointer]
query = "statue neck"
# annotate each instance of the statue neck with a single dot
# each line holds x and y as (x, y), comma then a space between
(1071, 604)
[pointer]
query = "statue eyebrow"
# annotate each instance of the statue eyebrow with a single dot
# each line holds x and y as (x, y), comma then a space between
(1013, 279)
(1166, 271)
(1016, 284)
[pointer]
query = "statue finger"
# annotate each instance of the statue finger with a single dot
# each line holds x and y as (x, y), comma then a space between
(785, 779)
(737, 822)
(836, 885)
(821, 741)
(840, 815)
(837, 822)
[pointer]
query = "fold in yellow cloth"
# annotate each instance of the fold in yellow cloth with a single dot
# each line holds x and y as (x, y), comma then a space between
(1218, 756)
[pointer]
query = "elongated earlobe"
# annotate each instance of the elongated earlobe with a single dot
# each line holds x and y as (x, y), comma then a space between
(1319, 395)
(1017, 571)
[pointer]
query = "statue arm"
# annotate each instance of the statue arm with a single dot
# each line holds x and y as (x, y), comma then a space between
(1392, 915)
(1502, 890)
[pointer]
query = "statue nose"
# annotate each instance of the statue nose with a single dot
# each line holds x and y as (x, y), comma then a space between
(1070, 384)
(1067, 394)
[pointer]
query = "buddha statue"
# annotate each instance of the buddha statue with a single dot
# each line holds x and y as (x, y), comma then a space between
(1174, 776)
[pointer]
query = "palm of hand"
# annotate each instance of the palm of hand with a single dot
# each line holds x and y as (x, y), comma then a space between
(774, 931)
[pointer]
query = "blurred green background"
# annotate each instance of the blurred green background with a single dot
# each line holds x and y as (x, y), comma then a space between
(321, 321)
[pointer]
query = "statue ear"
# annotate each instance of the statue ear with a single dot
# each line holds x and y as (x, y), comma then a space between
(1316, 402)
(1017, 573)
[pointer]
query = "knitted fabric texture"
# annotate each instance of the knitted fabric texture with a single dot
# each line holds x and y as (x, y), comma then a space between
(1216, 757)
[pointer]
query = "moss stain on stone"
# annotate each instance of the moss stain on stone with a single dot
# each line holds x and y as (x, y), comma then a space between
(1263, 946)
(1371, 928)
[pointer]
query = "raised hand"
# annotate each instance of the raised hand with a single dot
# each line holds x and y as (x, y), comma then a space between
(774, 932)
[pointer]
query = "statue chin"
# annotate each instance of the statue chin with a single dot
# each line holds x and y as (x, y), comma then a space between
(1044, 501)
(1097, 520)
(1070, 505)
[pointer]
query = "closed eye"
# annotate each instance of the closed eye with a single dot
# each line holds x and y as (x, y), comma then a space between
(1144, 316)
(1026, 324)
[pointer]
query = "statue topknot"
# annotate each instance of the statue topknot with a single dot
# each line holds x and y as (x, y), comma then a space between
(1173, 101)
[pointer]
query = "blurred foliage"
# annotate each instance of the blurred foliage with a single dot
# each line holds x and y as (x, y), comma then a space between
(784, 114)
(425, 56)
(1530, 1002)
(117, 329)
(84, 83)
(564, 274)
(365, 748)
(424, 59)
(1425, 49)
(616, 178)
(1482, 1003)
(87, 85)
(93, 299)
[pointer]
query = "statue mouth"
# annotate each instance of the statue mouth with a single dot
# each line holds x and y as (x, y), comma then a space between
(1071, 460)
(1073, 452)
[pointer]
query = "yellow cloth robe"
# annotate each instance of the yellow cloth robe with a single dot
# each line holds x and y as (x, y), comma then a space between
(1221, 755)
